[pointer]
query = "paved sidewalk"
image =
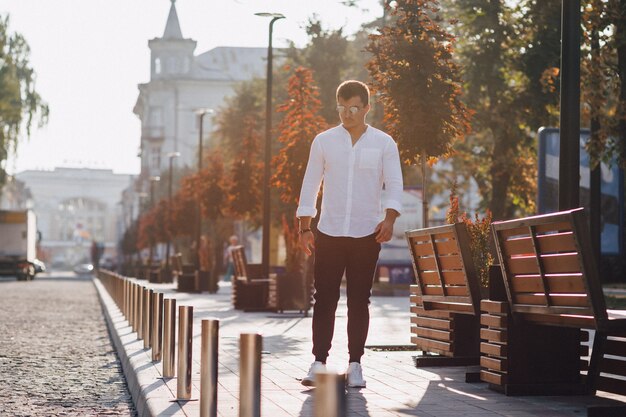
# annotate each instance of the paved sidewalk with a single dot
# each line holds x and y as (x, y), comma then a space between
(394, 386)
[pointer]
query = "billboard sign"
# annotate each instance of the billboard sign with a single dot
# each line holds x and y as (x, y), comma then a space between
(612, 188)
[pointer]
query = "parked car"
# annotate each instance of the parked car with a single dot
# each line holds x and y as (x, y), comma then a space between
(83, 269)
(39, 266)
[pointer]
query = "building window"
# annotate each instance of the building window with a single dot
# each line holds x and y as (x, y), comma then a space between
(81, 220)
(156, 116)
(157, 66)
(155, 160)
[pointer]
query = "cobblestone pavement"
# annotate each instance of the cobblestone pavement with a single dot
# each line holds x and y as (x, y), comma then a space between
(56, 357)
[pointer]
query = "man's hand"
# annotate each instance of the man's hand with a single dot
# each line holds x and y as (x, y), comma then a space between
(307, 242)
(384, 231)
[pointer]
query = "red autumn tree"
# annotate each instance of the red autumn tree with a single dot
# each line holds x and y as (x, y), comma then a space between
(300, 124)
(418, 81)
(244, 184)
(184, 205)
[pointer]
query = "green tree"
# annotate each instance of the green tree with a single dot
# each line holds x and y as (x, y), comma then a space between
(418, 81)
(327, 56)
(21, 106)
(510, 59)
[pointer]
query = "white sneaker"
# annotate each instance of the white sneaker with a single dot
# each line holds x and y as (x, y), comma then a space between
(354, 375)
(309, 379)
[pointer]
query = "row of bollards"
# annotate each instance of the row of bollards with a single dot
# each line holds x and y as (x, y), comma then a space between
(153, 318)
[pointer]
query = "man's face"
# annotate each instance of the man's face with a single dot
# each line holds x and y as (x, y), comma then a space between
(352, 112)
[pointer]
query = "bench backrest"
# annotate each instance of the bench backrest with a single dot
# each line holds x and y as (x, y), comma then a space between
(177, 263)
(444, 269)
(239, 262)
(549, 269)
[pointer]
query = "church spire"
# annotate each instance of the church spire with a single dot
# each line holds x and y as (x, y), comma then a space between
(172, 27)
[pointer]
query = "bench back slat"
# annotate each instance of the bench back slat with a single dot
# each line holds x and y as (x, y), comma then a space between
(239, 262)
(444, 268)
(549, 270)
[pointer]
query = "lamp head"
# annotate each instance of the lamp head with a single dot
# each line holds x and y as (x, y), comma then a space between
(272, 15)
(202, 111)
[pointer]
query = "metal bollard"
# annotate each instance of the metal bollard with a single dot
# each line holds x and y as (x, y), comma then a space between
(127, 299)
(135, 301)
(250, 345)
(139, 312)
(124, 299)
(169, 334)
(330, 395)
(147, 315)
(157, 329)
(185, 338)
(208, 368)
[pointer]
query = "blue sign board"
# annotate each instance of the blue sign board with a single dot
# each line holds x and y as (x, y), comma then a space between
(612, 188)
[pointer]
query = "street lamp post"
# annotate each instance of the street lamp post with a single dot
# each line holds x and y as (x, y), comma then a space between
(201, 113)
(153, 180)
(569, 151)
(171, 156)
(268, 147)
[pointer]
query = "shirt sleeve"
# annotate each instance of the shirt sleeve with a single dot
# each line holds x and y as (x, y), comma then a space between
(311, 183)
(392, 177)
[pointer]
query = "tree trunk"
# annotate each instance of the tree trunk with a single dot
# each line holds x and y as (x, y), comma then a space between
(500, 175)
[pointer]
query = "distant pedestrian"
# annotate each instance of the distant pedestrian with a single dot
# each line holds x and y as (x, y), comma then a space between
(353, 161)
(233, 242)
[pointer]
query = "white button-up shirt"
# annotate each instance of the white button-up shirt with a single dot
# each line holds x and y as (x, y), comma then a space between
(353, 177)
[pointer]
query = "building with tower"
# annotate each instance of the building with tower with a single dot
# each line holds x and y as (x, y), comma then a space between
(181, 83)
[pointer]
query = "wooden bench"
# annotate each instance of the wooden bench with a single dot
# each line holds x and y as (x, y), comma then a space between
(250, 290)
(186, 278)
(550, 278)
(445, 303)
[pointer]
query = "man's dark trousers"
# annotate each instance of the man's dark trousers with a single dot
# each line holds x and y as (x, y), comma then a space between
(357, 257)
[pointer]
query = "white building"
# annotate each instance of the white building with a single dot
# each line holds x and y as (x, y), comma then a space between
(180, 84)
(75, 206)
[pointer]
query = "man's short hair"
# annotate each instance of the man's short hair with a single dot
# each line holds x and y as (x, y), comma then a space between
(354, 88)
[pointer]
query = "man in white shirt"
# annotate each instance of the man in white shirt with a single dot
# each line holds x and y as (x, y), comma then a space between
(354, 161)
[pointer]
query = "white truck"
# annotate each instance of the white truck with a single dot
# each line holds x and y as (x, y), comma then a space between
(18, 244)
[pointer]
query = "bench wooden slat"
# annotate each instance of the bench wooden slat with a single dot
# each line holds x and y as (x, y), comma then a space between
(430, 313)
(447, 247)
(613, 366)
(432, 323)
(493, 349)
(492, 377)
(493, 335)
(495, 307)
(435, 334)
(447, 262)
(614, 385)
(559, 300)
(558, 242)
(556, 283)
(449, 278)
(572, 320)
(451, 291)
(433, 303)
(432, 345)
(615, 348)
(553, 264)
(493, 321)
(493, 363)
(421, 249)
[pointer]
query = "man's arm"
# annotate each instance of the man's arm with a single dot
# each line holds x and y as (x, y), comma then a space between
(308, 197)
